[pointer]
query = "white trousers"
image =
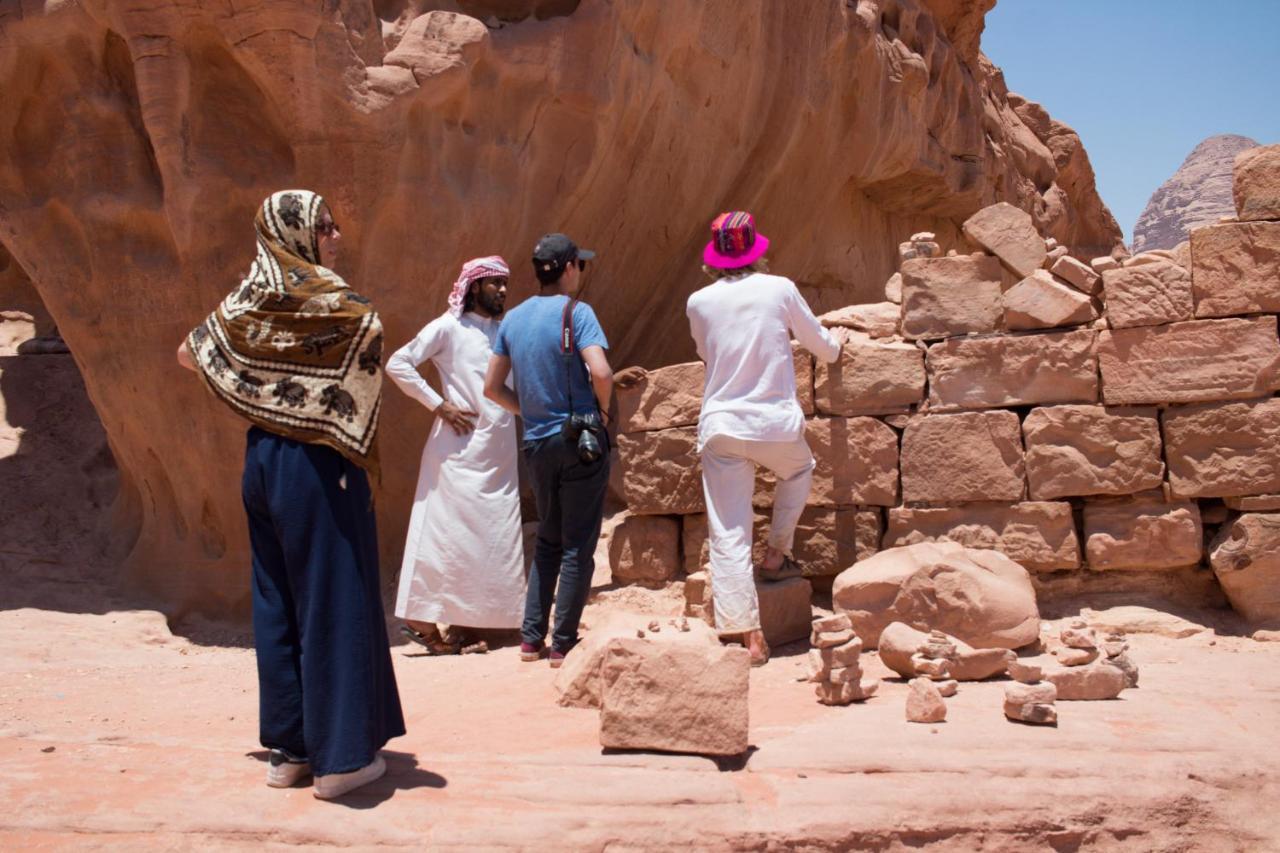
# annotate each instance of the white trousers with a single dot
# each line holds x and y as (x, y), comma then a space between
(728, 481)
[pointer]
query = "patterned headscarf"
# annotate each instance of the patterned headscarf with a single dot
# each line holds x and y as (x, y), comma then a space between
(472, 270)
(292, 348)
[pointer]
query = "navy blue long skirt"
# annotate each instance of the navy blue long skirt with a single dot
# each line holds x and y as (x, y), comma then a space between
(326, 687)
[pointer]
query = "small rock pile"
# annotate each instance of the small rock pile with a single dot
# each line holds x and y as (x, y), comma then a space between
(1029, 700)
(1083, 673)
(834, 661)
(938, 655)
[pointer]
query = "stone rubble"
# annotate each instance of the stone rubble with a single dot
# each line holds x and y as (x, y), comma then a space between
(835, 662)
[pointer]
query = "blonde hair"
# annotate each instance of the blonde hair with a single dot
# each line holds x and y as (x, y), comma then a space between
(760, 264)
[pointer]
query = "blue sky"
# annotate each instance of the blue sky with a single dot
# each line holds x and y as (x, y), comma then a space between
(1143, 81)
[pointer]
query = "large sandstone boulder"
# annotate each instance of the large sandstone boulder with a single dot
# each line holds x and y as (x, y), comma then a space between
(1148, 294)
(1234, 268)
(980, 373)
(942, 297)
(674, 697)
(1255, 185)
(136, 140)
(1224, 449)
(1245, 556)
(1038, 535)
(1091, 450)
(1189, 362)
(1009, 234)
(980, 597)
(973, 456)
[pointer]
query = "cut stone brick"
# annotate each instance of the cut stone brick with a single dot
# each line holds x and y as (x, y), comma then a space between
(857, 464)
(974, 456)
(1219, 450)
(1198, 360)
(645, 549)
(878, 320)
(1039, 536)
(1092, 450)
(942, 297)
(979, 373)
(870, 378)
(1079, 275)
(661, 474)
(664, 398)
(1253, 503)
(1041, 301)
(1008, 233)
(1147, 294)
(1255, 184)
(1104, 263)
(1143, 533)
(786, 610)
(1236, 268)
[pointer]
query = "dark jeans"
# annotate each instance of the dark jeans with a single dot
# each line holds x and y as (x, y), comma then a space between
(570, 497)
(326, 688)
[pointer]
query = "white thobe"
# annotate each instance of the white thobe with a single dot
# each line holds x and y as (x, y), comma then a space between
(464, 556)
(750, 416)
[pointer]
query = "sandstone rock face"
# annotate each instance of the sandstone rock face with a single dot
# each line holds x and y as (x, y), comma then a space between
(977, 373)
(437, 138)
(645, 549)
(1235, 268)
(1245, 556)
(1143, 533)
(1091, 450)
(1198, 194)
(980, 597)
(1224, 449)
(828, 540)
(1188, 362)
(661, 474)
(942, 297)
(1041, 301)
(973, 456)
(870, 378)
(857, 463)
(662, 399)
(674, 697)
(1009, 234)
(1148, 295)
(1255, 185)
(1040, 536)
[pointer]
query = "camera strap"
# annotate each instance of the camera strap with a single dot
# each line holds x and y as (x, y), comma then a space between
(568, 345)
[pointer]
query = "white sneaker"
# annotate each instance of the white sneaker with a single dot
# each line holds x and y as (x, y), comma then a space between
(333, 785)
(284, 771)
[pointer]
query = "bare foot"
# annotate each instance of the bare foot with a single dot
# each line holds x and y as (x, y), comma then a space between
(757, 647)
(772, 560)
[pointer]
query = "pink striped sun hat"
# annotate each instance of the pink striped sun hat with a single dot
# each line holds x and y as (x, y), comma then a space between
(734, 241)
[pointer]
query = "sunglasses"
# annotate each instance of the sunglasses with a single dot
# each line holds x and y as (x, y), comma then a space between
(582, 265)
(326, 229)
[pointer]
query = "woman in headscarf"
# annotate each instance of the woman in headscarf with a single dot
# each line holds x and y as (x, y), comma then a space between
(464, 558)
(297, 353)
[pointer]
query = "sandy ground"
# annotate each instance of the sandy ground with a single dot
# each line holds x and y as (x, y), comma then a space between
(114, 733)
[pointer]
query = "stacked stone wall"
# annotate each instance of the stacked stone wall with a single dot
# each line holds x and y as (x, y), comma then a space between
(1112, 416)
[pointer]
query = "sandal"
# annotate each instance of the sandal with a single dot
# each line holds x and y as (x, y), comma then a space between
(789, 569)
(433, 647)
(479, 647)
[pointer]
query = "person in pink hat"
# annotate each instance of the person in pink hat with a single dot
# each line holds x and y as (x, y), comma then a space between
(742, 324)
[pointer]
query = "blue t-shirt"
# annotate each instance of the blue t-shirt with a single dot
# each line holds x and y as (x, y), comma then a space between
(530, 337)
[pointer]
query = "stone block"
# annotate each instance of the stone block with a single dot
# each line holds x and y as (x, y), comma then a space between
(1104, 263)
(786, 609)
(1142, 533)
(893, 290)
(1081, 276)
(674, 697)
(878, 319)
(828, 540)
(973, 456)
(843, 694)
(661, 474)
(1245, 556)
(1086, 683)
(1235, 269)
(804, 377)
(857, 464)
(1253, 503)
(645, 549)
(942, 297)
(1255, 184)
(1009, 234)
(1091, 450)
(1041, 301)
(1223, 449)
(1149, 294)
(870, 378)
(1198, 360)
(980, 373)
(663, 398)
(1039, 536)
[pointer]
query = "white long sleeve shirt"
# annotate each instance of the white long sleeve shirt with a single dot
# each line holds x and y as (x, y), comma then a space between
(743, 329)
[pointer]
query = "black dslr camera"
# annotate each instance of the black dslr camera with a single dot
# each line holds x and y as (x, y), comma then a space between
(581, 430)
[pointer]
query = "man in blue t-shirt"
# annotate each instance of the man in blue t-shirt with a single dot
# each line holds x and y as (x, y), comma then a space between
(556, 375)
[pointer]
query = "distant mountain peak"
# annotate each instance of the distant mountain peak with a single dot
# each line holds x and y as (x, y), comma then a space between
(1199, 193)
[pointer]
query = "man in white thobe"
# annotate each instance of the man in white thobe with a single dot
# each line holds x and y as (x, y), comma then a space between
(463, 558)
(742, 325)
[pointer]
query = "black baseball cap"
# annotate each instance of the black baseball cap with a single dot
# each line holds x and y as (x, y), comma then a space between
(556, 251)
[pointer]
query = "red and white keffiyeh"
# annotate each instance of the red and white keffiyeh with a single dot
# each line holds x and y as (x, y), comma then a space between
(472, 270)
